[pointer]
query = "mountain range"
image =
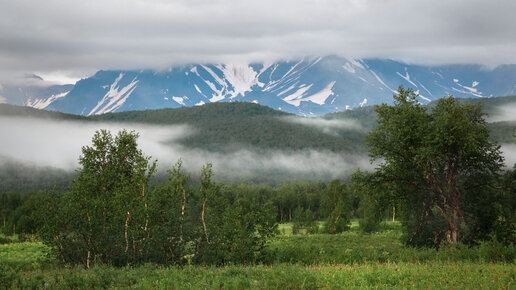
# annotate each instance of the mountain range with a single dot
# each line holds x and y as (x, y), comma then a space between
(309, 86)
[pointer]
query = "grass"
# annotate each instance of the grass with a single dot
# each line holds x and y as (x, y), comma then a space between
(400, 275)
(347, 260)
(24, 255)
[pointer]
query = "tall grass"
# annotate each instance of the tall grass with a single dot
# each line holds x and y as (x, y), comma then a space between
(434, 275)
(347, 260)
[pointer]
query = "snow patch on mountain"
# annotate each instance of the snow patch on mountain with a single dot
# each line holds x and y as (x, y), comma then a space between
(357, 63)
(288, 89)
(407, 77)
(349, 68)
(468, 90)
(194, 70)
(317, 98)
(43, 103)
(241, 77)
(292, 99)
(381, 81)
(305, 86)
(424, 88)
(320, 97)
(114, 98)
(179, 100)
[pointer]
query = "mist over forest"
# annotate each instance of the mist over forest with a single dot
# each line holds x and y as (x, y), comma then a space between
(44, 141)
(57, 143)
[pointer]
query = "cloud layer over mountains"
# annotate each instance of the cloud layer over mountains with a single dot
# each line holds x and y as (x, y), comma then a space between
(66, 40)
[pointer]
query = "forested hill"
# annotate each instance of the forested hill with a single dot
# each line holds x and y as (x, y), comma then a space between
(229, 126)
(7, 110)
(498, 112)
(501, 115)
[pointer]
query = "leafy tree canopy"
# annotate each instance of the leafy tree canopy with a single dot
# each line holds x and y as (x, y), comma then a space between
(436, 162)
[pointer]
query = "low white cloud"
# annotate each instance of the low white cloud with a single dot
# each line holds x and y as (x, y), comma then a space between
(58, 143)
(509, 152)
(327, 126)
(503, 113)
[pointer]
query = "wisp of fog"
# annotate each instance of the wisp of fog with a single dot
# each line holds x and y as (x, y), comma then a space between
(331, 127)
(58, 143)
(505, 113)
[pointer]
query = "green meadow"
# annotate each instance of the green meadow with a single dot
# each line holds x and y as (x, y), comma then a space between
(348, 260)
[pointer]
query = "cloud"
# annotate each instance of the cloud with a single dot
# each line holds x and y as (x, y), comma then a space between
(58, 144)
(331, 127)
(75, 38)
(509, 153)
(503, 113)
(2, 99)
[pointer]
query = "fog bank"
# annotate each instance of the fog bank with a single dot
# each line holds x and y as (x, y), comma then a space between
(58, 144)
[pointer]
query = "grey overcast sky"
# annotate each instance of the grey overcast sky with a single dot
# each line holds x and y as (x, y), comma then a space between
(64, 40)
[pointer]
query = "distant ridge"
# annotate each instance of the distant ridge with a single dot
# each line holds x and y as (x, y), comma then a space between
(309, 86)
(226, 126)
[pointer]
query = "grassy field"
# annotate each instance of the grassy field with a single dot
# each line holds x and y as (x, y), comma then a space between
(351, 260)
(402, 275)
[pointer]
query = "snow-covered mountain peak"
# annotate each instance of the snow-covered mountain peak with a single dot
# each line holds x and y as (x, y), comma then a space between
(304, 86)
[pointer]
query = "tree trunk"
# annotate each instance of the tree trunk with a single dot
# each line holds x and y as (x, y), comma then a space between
(203, 222)
(126, 227)
(88, 259)
(452, 236)
(182, 216)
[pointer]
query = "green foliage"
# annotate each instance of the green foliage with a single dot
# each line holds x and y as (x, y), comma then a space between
(336, 203)
(25, 111)
(505, 204)
(298, 220)
(310, 223)
(338, 221)
(372, 203)
(245, 125)
(438, 165)
(170, 207)
(112, 216)
(25, 255)
(235, 228)
(104, 217)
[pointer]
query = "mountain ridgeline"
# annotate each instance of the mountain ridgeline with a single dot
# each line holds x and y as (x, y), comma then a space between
(230, 126)
(309, 86)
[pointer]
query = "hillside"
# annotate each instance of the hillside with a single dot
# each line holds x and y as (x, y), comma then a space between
(8, 110)
(227, 126)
